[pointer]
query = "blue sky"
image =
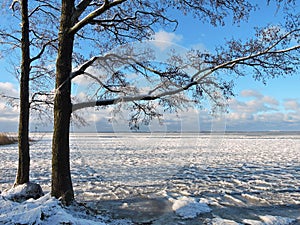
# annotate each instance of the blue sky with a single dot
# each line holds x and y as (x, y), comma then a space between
(274, 106)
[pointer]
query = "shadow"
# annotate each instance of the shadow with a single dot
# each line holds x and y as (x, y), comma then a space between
(139, 209)
(143, 211)
(155, 211)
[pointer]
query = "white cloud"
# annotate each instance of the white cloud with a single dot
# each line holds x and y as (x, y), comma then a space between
(260, 103)
(163, 39)
(263, 112)
(9, 116)
(259, 99)
(270, 100)
(82, 80)
(292, 118)
(251, 93)
(6, 86)
(292, 104)
(9, 89)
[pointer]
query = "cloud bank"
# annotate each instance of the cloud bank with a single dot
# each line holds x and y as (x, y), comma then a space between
(254, 111)
(250, 111)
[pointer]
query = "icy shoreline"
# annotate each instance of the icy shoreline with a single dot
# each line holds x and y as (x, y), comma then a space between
(48, 211)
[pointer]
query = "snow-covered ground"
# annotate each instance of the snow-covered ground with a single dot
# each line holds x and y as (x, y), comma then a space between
(167, 179)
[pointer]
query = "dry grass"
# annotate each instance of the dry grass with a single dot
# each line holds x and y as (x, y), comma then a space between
(6, 139)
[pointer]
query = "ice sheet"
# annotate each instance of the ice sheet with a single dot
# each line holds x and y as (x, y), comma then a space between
(240, 177)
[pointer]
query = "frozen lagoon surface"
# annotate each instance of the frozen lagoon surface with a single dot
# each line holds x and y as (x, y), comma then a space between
(177, 178)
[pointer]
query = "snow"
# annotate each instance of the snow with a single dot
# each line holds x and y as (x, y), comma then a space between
(220, 221)
(23, 192)
(48, 211)
(187, 207)
(164, 179)
(271, 220)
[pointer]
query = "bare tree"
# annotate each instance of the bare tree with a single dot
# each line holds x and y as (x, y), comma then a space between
(24, 41)
(24, 157)
(273, 51)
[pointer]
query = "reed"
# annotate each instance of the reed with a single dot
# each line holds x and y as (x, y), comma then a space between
(6, 139)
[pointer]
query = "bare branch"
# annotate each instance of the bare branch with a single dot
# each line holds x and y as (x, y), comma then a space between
(145, 97)
(42, 50)
(194, 82)
(13, 4)
(90, 17)
(40, 8)
(83, 67)
(9, 97)
(101, 83)
(118, 19)
(6, 35)
(81, 7)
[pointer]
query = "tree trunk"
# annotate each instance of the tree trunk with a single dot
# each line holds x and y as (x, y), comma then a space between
(61, 176)
(24, 157)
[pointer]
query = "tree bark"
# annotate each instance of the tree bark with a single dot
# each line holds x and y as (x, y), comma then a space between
(61, 177)
(24, 156)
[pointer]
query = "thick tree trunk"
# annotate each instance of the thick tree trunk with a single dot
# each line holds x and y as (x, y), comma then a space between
(24, 157)
(61, 176)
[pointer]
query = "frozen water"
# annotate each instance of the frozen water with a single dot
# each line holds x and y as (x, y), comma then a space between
(240, 177)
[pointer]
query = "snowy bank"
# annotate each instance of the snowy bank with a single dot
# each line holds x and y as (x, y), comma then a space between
(45, 210)
(48, 211)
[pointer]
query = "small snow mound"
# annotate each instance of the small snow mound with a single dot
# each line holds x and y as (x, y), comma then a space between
(220, 221)
(271, 220)
(22, 192)
(189, 208)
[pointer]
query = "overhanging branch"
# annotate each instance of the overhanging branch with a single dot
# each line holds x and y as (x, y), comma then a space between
(113, 101)
(199, 77)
